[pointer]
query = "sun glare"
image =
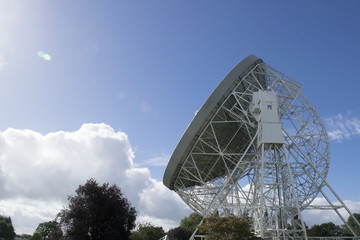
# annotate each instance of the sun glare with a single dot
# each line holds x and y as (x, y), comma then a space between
(43, 55)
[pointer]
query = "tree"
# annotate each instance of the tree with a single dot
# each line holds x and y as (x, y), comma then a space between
(147, 231)
(56, 234)
(327, 229)
(23, 236)
(224, 228)
(46, 228)
(36, 236)
(191, 222)
(354, 226)
(7, 231)
(97, 212)
(179, 233)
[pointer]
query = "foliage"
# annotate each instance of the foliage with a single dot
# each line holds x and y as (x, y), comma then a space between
(36, 236)
(147, 231)
(56, 234)
(46, 228)
(179, 233)
(328, 229)
(295, 228)
(223, 228)
(351, 222)
(97, 212)
(296, 224)
(7, 231)
(23, 236)
(191, 222)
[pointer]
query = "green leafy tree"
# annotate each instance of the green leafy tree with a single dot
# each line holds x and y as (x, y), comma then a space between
(46, 228)
(179, 233)
(23, 236)
(7, 231)
(224, 228)
(191, 222)
(147, 231)
(327, 229)
(36, 236)
(97, 213)
(354, 226)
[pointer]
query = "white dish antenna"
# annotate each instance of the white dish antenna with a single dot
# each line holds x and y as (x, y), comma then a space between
(257, 147)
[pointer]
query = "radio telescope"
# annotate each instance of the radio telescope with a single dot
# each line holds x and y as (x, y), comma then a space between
(257, 147)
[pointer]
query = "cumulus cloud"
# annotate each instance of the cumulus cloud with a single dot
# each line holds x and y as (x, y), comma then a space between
(28, 213)
(313, 216)
(342, 127)
(37, 172)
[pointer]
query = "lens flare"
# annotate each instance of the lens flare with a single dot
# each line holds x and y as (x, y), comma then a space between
(43, 55)
(40, 54)
(47, 57)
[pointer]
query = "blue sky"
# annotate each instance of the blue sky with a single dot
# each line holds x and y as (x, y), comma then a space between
(144, 67)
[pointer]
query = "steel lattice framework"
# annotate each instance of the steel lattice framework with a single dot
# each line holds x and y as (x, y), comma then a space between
(227, 170)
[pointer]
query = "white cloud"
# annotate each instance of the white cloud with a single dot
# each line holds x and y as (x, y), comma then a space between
(166, 223)
(155, 201)
(27, 212)
(342, 127)
(160, 161)
(312, 216)
(37, 172)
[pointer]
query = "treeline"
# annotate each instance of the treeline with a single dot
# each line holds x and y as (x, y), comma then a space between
(330, 229)
(213, 227)
(147, 231)
(101, 212)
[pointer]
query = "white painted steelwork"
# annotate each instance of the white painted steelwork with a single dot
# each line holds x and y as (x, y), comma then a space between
(257, 147)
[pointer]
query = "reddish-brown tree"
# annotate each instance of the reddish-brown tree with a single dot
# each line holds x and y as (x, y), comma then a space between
(96, 213)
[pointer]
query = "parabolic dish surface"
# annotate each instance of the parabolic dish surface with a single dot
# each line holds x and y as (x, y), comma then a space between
(224, 132)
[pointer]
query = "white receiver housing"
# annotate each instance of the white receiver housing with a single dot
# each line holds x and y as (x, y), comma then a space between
(264, 107)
